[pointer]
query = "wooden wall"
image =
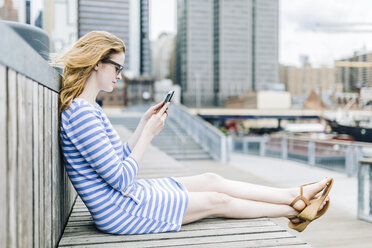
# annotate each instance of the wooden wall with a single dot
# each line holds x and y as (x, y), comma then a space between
(35, 192)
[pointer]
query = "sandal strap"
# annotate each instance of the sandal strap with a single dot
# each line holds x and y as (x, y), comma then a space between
(300, 197)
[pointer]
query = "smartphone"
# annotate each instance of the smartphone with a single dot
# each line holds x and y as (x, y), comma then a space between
(169, 96)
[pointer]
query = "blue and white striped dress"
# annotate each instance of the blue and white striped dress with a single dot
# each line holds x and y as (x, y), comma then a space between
(104, 175)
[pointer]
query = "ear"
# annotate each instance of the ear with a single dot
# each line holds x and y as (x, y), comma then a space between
(95, 67)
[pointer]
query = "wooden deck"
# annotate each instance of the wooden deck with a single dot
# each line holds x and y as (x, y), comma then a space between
(212, 232)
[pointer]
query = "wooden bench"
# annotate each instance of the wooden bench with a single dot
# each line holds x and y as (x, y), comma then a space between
(35, 192)
(211, 232)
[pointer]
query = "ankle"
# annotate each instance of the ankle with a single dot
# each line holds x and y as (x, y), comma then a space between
(292, 193)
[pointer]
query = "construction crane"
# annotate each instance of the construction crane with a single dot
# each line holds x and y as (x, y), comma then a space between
(356, 27)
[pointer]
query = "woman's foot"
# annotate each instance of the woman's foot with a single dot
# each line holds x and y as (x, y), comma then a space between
(296, 220)
(309, 192)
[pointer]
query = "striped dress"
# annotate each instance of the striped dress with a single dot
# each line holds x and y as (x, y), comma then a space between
(104, 175)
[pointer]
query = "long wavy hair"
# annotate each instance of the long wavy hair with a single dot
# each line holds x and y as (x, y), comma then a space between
(79, 61)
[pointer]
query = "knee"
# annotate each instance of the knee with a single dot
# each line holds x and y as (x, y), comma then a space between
(212, 178)
(217, 200)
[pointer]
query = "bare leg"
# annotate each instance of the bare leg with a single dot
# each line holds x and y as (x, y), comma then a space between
(205, 204)
(210, 182)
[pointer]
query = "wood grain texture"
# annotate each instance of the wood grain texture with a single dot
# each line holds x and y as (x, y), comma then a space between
(24, 176)
(41, 178)
(47, 168)
(12, 206)
(4, 155)
(35, 163)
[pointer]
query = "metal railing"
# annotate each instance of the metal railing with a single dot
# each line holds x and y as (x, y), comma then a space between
(365, 190)
(209, 137)
(342, 156)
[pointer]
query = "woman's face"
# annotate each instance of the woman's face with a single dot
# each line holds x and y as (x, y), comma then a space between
(107, 71)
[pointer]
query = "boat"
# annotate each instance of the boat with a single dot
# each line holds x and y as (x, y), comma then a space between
(358, 131)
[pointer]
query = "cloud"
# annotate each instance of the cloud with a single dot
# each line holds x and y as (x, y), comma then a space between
(303, 26)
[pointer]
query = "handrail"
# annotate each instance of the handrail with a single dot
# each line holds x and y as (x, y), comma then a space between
(210, 138)
(365, 190)
(333, 142)
(338, 155)
(18, 55)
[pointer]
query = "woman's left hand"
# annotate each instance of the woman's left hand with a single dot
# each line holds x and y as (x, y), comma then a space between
(151, 111)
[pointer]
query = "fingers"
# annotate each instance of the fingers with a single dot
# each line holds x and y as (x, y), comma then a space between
(159, 105)
(163, 109)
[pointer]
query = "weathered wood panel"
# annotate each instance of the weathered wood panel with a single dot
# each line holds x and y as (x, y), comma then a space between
(25, 214)
(35, 164)
(41, 166)
(12, 205)
(47, 167)
(57, 224)
(34, 189)
(4, 155)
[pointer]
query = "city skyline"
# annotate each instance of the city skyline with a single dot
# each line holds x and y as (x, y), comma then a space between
(302, 28)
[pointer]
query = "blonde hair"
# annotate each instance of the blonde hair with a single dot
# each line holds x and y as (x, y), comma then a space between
(80, 60)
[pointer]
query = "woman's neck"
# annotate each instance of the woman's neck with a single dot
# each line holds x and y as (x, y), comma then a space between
(90, 92)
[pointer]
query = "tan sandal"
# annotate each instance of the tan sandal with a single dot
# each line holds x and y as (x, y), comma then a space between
(303, 223)
(299, 226)
(311, 211)
(308, 216)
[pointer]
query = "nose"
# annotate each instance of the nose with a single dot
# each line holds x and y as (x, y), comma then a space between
(118, 77)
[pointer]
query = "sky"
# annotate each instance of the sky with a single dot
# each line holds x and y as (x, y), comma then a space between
(304, 28)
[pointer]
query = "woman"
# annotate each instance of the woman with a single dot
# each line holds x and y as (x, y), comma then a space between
(103, 170)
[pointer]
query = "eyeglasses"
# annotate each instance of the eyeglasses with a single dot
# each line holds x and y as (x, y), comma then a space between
(119, 68)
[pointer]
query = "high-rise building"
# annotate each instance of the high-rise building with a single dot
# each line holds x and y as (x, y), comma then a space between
(352, 77)
(225, 48)
(59, 20)
(8, 11)
(162, 52)
(127, 19)
(301, 81)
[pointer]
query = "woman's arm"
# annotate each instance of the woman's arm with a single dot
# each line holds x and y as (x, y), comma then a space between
(153, 126)
(132, 141)
(85, 130)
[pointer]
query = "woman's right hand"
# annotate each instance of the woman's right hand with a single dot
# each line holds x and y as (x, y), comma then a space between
(156, 122)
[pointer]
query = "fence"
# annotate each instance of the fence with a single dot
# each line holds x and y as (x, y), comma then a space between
(210, 138)
(340, 156)
(365, 190)
(35, 193)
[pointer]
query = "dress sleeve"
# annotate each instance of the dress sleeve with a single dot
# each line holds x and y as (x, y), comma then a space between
(126, 150)
(86, 131)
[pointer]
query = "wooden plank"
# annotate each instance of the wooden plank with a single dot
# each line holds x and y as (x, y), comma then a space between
(99, 237)
(35, 163)
(25, 197)
(57, 172)
(12, 160)
(4, 156)
(74, 230)
(284, 242)
(41, 165)
(169, 240)
(47, 169)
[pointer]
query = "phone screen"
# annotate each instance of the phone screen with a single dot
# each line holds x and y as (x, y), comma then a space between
(169, 96)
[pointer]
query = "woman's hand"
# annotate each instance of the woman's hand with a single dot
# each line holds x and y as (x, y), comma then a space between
(151, 111)
(156, 122)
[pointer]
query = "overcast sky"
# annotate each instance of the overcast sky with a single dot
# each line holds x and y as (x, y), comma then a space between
(300, 25)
